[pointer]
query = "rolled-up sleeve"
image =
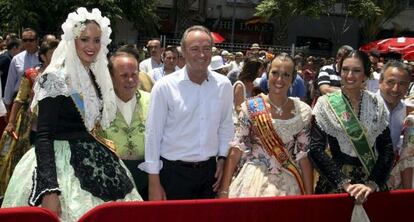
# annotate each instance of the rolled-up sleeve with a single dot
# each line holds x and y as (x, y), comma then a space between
(226, 129)
(157, 115)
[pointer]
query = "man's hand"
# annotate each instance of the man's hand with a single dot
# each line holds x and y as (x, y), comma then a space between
(155, 189)
(218, 175)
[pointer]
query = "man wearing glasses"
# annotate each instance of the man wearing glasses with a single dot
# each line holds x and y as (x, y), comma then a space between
(22, 61)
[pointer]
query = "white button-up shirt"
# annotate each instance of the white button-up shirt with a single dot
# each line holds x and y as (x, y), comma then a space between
(396, 123)
(18, 66)
(188, 121)
(149, 64)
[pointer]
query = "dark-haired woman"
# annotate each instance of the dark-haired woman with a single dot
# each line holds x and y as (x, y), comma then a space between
(354, 124)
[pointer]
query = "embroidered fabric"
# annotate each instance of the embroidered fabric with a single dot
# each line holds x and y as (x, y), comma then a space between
(67, 65)
(373, 118)
(99, 170)
(287, 129)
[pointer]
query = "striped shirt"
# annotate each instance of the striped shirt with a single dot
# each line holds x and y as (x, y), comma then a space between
(329, 75)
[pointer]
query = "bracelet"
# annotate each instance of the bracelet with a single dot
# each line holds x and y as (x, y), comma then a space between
(224, 192)
(221, 158)
(373, 185)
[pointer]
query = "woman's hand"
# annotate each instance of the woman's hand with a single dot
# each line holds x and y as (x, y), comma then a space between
(359, 191)
(10, 127)
(223, 194)
(51, 201)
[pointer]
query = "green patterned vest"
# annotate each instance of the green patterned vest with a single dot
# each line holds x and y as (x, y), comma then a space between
(130, 140)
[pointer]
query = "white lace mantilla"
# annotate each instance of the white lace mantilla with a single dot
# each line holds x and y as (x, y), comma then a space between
(373, 118)
(55, 84)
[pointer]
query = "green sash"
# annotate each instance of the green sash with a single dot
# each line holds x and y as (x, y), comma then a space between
(353, 129)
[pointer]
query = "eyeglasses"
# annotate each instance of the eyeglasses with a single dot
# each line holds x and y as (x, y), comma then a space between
(28, 40)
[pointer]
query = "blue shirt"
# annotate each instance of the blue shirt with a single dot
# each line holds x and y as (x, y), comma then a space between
(18, 66)
(396, 122)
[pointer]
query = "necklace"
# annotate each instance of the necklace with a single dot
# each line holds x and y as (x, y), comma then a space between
(278, 109)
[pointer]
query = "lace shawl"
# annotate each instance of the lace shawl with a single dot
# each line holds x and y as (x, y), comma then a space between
(373, 117)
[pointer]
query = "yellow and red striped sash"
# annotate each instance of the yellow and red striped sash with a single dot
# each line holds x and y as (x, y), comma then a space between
(271, 142)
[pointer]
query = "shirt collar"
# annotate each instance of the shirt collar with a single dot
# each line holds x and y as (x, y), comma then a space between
(184, 75)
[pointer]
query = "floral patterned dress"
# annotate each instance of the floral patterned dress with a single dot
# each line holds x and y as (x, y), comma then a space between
(260, 174)
(406, 159)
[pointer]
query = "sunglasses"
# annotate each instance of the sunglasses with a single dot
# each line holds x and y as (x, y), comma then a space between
(28, 40)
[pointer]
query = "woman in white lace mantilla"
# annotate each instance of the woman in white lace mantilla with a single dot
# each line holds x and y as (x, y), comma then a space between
(71, 170)
(353, 123)
(254, 169)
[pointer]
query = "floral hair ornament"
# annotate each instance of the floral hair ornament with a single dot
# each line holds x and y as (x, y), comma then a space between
(72, 76)
(75, 24)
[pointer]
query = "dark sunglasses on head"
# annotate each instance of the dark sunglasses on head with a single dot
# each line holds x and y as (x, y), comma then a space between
(28, 40)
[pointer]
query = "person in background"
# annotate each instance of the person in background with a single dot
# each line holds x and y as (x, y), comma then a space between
(238, 61)
(154, 61)
(393, 86)
(145, 82)
(189, 125)
(48, 38)
(29, 58)
(67, 171)
(353, 123)
(128, 128)
(169, 58)
(329, 78)
(268, 156)
(394, 83)
(181, 59)
(20, 132)
(373, 81)
(217, 65)
(243, 87)
(13, 48)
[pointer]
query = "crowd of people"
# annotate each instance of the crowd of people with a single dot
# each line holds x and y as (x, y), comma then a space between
(86, 126)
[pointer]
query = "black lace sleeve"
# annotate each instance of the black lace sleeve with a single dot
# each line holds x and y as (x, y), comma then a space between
(45, 177)
(383, 166)
(320, 159)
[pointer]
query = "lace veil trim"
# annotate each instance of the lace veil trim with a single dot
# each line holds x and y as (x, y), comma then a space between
(69, 71)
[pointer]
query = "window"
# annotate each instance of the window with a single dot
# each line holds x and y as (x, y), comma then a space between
(410, 4)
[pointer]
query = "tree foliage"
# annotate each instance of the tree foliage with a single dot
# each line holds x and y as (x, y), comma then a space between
(372, 14)
(47, 16)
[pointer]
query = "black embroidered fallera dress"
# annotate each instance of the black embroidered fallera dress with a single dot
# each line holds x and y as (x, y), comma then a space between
(338, 163)
(69, 161)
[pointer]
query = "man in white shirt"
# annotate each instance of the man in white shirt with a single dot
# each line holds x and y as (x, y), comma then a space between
(393, 86)
(22, 61)
(154, 48)
(170, 58)
(189, 125)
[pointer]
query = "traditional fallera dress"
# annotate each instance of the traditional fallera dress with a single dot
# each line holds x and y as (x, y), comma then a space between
(406, 159)
(75, 163)
(360, 146)
(271, 150)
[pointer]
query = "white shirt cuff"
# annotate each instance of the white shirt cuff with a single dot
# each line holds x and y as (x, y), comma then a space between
(151, 167)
